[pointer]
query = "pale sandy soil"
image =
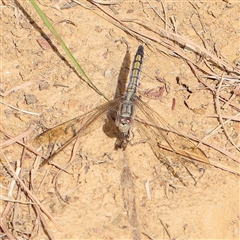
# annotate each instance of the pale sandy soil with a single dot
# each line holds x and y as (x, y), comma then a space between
(92, 185)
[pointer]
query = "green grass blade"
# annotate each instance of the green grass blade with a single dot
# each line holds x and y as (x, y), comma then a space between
(74, 61)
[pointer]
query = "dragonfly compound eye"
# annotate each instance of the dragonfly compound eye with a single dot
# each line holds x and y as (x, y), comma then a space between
(125, 121)
(128, 121)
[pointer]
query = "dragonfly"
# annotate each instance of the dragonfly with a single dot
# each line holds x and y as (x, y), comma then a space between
(130, 111)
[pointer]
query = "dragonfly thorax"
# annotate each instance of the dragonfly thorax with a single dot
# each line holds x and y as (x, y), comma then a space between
(125, 115)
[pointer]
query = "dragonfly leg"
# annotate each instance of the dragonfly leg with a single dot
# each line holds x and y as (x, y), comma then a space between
(121, 143)
(138, 142)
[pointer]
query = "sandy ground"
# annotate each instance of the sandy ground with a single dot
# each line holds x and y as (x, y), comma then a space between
(88, 200)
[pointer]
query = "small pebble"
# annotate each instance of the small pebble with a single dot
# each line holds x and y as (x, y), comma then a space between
(43, 86)
(235, 232)
(7, 112)
(98, 29)
(30, 99)
(72, 103)
(44, 44)
(108, 73)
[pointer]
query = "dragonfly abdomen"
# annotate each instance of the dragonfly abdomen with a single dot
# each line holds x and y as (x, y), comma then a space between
(135, 73)
(125, 115)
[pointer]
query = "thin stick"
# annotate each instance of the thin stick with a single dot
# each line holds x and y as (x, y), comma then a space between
(3, 225)
(198, 158)
(7, 199)
(71, 160)
(232, 118)
(154, 9)
(220, 117)
(17, 140)
(13, 140)
(165, 14)
(165, 228)
(31, 195)
(13, 181)
(18, 109)
(216, 147)
(21, 86)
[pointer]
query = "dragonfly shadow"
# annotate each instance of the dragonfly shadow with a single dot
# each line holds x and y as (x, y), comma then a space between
(109, 127)
(123, 75)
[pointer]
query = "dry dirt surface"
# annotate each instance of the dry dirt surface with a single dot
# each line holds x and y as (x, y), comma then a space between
(190, 77)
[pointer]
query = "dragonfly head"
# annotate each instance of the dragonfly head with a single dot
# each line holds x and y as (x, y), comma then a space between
(124, 124)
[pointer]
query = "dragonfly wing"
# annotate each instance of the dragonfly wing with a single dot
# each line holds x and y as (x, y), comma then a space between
(63, 134)
(152, 137)
(167, 137)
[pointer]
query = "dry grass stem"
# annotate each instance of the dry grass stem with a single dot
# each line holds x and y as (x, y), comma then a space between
(18, 109)
(30, 194)
(220, 117)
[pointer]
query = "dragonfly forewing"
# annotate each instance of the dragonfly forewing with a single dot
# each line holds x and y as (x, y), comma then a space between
(63, 134)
